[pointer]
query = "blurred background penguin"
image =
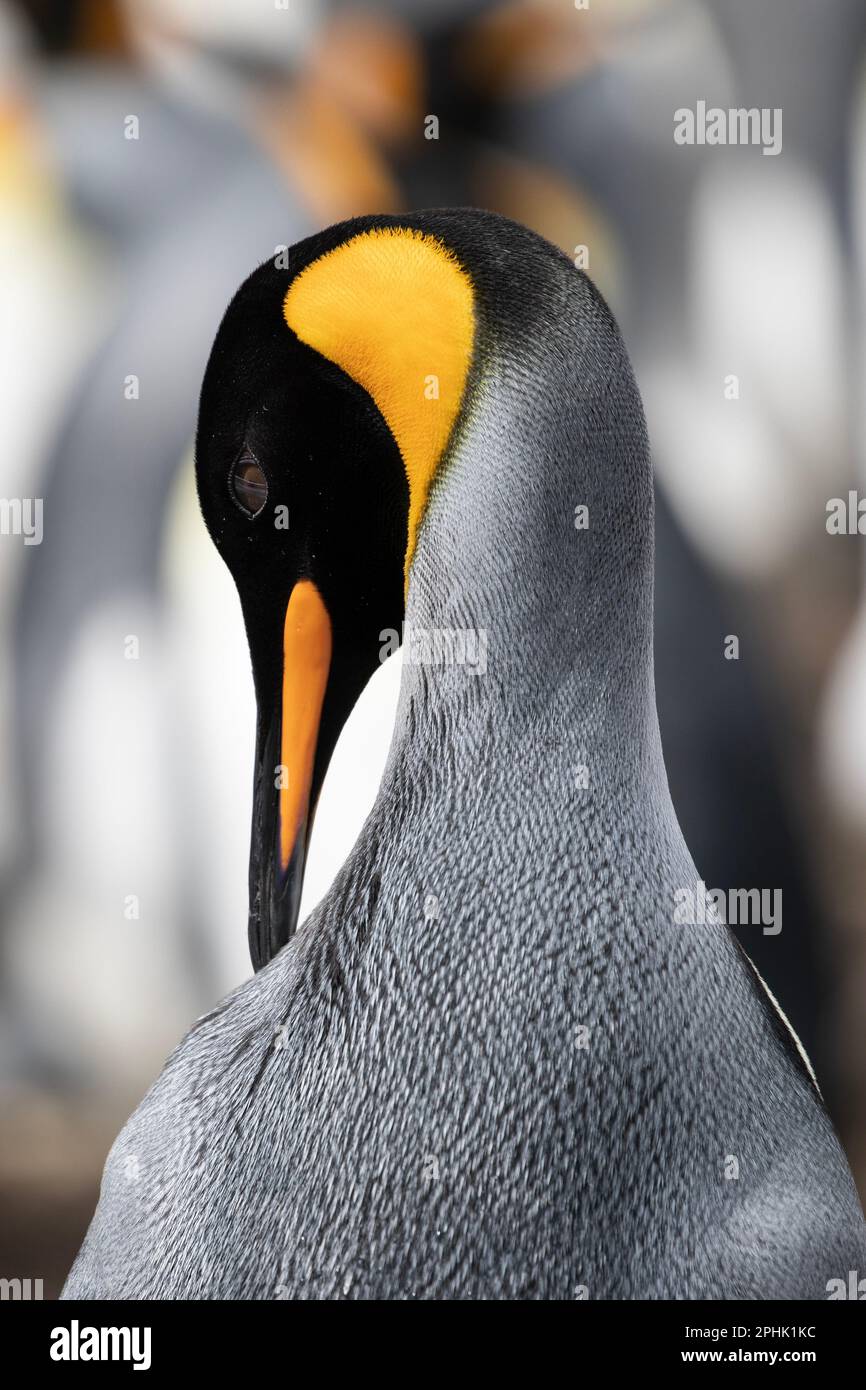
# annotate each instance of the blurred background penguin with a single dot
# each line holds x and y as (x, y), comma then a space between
(151, 154)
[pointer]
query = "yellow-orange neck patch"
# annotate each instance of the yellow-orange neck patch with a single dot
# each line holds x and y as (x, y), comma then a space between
(393, 308)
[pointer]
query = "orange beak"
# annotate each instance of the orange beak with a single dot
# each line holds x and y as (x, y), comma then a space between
(307, 647)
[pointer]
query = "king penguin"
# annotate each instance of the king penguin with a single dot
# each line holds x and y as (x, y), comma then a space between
(493, 1063)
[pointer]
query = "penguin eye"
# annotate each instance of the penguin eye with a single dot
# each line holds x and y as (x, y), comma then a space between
(249, 486)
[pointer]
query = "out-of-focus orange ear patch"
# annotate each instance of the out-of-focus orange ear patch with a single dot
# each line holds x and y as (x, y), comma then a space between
(394, 309)
(523, 47)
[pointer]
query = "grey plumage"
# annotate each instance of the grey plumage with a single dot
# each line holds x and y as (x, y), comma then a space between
(490, 1064)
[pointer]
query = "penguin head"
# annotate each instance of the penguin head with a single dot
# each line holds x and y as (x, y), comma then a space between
(333, 387)
(411, 409)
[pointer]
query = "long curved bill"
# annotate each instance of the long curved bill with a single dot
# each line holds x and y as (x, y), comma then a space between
(283, 809)
(307, 646)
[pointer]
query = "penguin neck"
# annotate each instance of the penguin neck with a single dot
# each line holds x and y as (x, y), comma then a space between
(529, 614)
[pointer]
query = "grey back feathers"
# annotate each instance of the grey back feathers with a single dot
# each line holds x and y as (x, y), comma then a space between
(490, 1064)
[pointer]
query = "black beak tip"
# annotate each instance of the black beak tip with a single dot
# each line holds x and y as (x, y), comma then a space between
(274, 909)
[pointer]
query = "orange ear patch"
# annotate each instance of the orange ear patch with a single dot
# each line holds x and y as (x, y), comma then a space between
(393, 308)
